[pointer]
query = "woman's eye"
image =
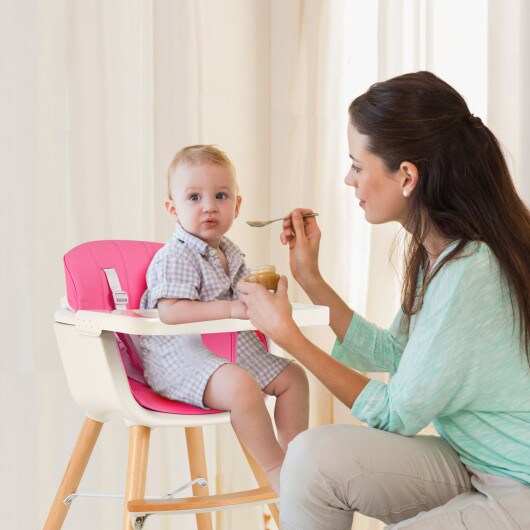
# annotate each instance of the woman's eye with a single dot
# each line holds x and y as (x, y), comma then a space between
(355, 168)
(220, 196)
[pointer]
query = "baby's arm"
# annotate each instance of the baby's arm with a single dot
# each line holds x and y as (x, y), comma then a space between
(180, 310)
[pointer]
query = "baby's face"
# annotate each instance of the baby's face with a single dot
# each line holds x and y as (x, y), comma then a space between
(205, 200)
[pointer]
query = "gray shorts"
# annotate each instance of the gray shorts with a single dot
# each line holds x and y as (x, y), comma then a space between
(181, 367)
(412, 483)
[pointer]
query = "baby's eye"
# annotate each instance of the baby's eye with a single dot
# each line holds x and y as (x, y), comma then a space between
(220, 195)
(193, 197)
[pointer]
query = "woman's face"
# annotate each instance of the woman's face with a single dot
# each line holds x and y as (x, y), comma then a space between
(379, 191)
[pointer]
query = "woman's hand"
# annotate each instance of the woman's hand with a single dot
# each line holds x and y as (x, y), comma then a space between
(303, 237)
(270, 313)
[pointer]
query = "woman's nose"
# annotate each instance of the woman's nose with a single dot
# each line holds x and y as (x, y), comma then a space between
(350, 179)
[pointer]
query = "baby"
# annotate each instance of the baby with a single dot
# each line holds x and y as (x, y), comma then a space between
(193, 278)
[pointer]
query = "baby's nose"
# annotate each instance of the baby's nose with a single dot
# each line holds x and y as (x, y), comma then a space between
(209, 205)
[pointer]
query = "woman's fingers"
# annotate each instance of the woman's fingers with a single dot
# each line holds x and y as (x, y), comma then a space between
(271, 313)
(245, 288)
(281, 296)
(298, 225)
(282, 285)
(294, 226)
(250, 292)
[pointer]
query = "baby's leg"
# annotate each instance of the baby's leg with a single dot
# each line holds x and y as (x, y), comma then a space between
(233, 389)
(291, 412)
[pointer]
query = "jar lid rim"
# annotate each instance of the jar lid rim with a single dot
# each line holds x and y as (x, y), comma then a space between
(262, 268)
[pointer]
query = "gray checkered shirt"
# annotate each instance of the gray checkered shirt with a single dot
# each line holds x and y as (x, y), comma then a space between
(179, 367)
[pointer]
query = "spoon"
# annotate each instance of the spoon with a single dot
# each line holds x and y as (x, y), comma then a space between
(265, 223)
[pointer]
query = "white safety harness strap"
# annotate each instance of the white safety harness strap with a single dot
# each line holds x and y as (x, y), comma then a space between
(128, 343)
(118, 294)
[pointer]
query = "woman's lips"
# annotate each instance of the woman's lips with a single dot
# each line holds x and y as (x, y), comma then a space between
(362, 203)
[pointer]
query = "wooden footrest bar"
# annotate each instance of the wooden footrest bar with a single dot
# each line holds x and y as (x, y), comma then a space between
(208, 503)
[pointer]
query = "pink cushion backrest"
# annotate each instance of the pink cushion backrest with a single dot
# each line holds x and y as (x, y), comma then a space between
(86, 283)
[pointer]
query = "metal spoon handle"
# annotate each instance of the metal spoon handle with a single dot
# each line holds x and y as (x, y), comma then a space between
(265, 223)
(313, 214)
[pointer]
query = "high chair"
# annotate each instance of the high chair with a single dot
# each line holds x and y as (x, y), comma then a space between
(96, 335)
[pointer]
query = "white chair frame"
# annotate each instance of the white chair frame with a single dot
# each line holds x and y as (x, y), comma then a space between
(89, 353)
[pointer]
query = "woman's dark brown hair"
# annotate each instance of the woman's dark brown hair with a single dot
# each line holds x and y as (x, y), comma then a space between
(464, 190)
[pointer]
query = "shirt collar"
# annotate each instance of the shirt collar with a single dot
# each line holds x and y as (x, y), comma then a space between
(194, 242)
(229, 248)
(451, 246)
(202, 247)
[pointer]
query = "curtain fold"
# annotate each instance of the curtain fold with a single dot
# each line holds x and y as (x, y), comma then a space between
(508, 81)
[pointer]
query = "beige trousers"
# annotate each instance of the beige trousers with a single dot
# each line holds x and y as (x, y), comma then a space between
(410, 483)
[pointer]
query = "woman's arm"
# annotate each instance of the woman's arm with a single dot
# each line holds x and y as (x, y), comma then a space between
(340, 315)
(272, 314)
(303, 237)
(180, 310)
(343, 382)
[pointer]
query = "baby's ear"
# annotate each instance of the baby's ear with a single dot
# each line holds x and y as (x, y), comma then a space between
(239, 199)
(171, 210)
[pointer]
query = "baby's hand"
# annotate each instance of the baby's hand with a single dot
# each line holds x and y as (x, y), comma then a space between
(238, 310)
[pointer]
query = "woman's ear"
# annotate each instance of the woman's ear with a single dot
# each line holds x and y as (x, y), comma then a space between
(171, 210)
(409, 178)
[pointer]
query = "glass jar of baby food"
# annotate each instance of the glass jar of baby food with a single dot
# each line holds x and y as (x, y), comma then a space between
(264, 275)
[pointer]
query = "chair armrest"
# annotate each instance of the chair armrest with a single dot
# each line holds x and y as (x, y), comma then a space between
(147, 322)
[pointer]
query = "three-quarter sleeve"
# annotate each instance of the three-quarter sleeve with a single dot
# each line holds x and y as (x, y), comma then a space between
(369, 348)
(439, 373)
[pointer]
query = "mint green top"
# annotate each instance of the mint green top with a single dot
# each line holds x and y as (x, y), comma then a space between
(460, 366)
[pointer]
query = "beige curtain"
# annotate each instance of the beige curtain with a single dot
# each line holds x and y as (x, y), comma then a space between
(96, 97)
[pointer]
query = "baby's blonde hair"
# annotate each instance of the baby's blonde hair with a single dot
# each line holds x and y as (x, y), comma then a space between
(195, 155)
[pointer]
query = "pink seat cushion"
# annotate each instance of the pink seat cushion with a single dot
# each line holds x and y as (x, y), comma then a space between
(222, 344)
(87, 288)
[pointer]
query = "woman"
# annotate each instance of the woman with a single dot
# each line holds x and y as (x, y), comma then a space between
(459, 348)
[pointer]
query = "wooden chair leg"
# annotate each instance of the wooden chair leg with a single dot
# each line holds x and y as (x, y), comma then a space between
(262, 480)
(137, 468)
(197, 462)
(72, 476)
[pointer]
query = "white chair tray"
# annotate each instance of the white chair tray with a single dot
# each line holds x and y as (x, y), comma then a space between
(147, 322)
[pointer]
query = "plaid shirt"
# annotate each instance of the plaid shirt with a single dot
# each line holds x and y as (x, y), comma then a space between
(186, 267)
(179, 366)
